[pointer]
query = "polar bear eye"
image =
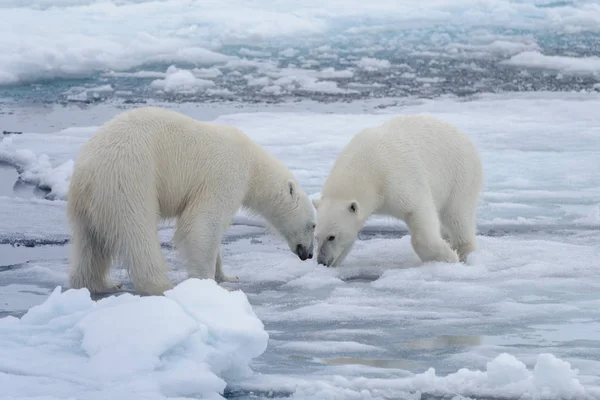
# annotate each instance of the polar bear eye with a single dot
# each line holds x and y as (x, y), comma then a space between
(331, 238)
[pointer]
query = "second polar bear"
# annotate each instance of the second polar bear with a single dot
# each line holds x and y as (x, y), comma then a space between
(414, 167)
(150, 164)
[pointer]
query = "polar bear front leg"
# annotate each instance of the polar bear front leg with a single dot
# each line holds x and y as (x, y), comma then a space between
(198, 235)
(220, 275)
(426, 238)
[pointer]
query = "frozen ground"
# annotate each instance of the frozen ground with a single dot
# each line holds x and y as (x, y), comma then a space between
(519, 321)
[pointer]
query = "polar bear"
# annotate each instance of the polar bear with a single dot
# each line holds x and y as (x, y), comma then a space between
(150, 164)
(414, 167)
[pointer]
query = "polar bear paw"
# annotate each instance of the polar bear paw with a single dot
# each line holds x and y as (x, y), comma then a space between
(227, 278)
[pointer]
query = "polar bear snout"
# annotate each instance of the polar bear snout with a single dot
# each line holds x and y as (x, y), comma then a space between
(322, 259)
(303, 252)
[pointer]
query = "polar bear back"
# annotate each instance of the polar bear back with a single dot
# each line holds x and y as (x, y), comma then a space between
(171, 155)
(411, 151)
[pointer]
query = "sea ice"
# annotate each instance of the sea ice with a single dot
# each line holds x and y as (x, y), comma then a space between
(188, 343)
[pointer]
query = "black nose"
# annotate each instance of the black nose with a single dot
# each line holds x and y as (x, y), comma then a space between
(302, 252)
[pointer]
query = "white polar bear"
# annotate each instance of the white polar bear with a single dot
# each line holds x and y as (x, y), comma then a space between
(415, 168)
(150, 164)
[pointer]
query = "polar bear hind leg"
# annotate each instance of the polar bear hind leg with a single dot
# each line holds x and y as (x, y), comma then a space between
(91, 260)
(459, 220)
(445, 233)
(426, 238)
(143, 257)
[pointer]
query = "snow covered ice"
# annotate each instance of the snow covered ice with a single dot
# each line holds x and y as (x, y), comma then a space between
(519, 320)
(135, 49)
(179, 345)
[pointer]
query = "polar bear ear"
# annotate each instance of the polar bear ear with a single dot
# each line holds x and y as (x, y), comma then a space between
(316, 203)
(353, 207)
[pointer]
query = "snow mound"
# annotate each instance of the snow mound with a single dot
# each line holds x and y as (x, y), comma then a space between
(551, 378)
(181, 81)
(574, 65)
(505, 377)
(373, 64)
(38, 169)
(186, 343)
(79, 94)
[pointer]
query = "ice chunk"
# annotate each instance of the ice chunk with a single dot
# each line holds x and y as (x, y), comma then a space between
(373, 64)
(38, 170)
(575, 65)
(186, 343)
(505, 377)
(181, 81)
(509, 378)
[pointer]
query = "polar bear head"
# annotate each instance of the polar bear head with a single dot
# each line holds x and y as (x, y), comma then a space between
(293, 217)
(338, 224)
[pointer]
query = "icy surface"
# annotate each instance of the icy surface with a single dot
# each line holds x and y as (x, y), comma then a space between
(582, 66)
(504, 377)
(518, 321)
(538, 164)
(122, 49)
(184, 344)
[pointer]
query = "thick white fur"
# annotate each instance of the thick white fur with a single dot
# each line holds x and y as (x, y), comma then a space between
(150, 164)
(416, 168)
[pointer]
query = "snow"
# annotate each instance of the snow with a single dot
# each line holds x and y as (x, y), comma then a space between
(576, 65)
(497, 47)
(272, 89)
(186, 343)
(207, 72)
(139, 74)
(220, 92)
(88, 94)
(504, 376)
(313, 85)
(373, 64)
(264, 81)
(254, 53)
(289, 52)
(42, 169)
(181, 81)
(292, 79)
(331, 73)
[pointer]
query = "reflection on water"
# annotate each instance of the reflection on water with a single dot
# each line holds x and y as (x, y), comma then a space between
(441, 342)
(299, 357)
(370, 362)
